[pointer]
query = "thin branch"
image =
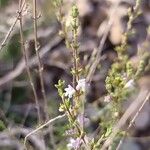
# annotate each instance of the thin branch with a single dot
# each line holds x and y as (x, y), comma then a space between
(26, 61)
(33, 61)
(143, 95)
(40, 71)
(132, 121)
(42, 126)
(11, 28)
(40, 66)
(101, 45)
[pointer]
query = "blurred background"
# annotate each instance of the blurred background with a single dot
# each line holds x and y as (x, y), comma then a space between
(17, 106)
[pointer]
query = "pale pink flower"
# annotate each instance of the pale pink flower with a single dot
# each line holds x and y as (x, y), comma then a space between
(69, 91)
(130, 84)
(74, 143)
(107, 99)
(81, 85)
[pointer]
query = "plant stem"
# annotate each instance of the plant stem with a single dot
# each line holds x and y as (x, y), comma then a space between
(26, 61)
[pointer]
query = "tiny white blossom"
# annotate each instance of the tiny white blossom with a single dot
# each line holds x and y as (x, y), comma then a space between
(116, 114)
(70, 132)
(69, 91)
(81, 85)
(130, 84)
(107, 99)
(74, 143)
(61, 109)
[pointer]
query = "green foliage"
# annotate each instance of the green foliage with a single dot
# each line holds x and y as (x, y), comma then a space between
(3, 2)
(75, 12)
(19, 95)
(122, 74)
(129, 70)
(57, 3)
(60, 87)
(114, 85)
(12, 50)
(2, 125)
(144, 62)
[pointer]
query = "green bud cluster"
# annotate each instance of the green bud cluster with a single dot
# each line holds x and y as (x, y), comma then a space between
(129, 69)
(145, 61)
(60, 87)
(66, 102)
(74, 15)
(57, 3)
(75, 12)
(114, 85)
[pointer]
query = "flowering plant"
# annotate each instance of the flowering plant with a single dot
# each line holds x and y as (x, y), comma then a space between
(120, 80)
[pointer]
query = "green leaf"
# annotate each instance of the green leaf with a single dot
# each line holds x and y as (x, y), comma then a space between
(2, 125)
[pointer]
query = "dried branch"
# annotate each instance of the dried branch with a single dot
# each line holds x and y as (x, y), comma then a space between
(33, 61)
(132, 121)
(42, 126)
(143, 96)
(99, 49)
(40, 71)
(12, 27)
(26, 62)
(40, 66)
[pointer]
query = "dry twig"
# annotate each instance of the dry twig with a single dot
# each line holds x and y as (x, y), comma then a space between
(26, 61)
(40, 66)
(33, 61)
(132, 121)
(12, 27)
(99, 49)
(40, 71)
(42, 126)
(143, 96)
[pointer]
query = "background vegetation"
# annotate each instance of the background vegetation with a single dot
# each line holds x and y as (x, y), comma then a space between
(107, 44)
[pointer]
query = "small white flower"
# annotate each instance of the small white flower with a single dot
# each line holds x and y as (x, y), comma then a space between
(69, 91)
(116, 114)
(70, 132)
(107, 99)
(130, 84)
(81, 85)
(74, 143)
(61, 109)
